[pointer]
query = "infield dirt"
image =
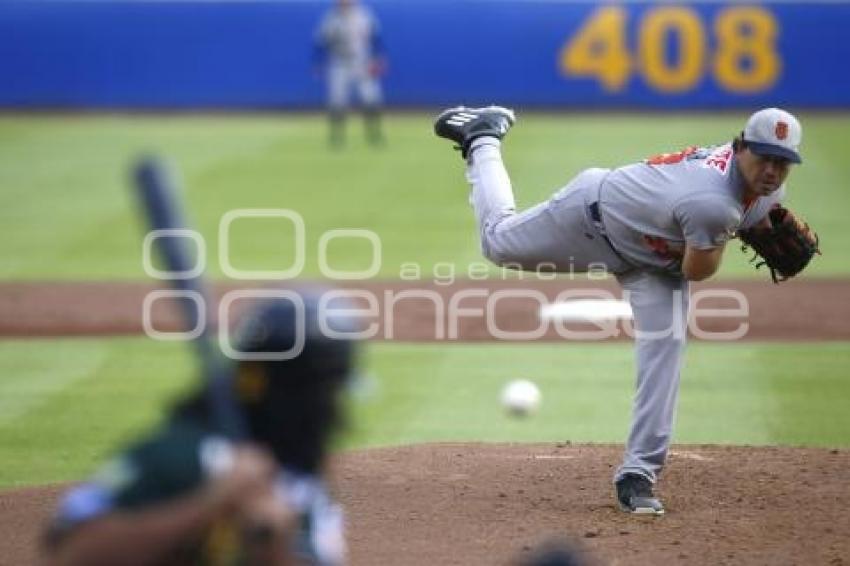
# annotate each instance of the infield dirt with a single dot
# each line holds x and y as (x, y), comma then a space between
(477, 504)
(804, 310)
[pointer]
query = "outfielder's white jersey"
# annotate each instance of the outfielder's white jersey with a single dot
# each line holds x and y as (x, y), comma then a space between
(651, 210)
(348, 34)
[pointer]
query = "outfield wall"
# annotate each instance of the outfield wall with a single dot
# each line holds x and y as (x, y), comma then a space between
(257, 54)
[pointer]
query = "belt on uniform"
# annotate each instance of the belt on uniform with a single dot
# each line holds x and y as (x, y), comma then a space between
(596, 218)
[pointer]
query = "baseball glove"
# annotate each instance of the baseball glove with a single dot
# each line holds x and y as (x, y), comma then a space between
(785, 247)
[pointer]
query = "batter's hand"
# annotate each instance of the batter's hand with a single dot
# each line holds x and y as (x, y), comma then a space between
(250, 474)
(268, 527)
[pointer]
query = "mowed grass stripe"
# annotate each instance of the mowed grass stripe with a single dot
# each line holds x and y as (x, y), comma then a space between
(34, 372)
(66, 210)
(731, 393)
(69, 430)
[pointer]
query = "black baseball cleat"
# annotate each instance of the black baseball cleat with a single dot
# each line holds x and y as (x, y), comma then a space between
(463, 125)
(634, 493)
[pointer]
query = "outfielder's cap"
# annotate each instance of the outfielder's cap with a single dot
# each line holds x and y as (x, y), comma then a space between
(773, 131)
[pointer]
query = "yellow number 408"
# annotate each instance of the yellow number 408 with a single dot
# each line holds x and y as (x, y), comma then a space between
(745, 61)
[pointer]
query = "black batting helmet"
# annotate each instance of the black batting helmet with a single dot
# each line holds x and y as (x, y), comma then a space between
(295, 357)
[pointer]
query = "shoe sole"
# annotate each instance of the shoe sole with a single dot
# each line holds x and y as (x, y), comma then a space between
(506, 112)
(642, 510)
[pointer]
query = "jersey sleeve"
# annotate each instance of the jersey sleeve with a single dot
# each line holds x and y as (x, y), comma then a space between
(706, 221)
(376, 40)
(157, 469)
(374, 23)
(91, 500)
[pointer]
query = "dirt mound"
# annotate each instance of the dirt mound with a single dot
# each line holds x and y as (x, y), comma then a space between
(484, 503)
(489, 503)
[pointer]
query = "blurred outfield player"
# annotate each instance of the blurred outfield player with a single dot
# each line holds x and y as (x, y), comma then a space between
(656, 225)
(349, 49)
(186, 495)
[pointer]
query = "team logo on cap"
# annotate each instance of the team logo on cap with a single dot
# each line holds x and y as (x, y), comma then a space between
(781, 130)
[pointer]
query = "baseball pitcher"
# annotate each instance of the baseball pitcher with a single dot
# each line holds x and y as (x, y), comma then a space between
(656, 225)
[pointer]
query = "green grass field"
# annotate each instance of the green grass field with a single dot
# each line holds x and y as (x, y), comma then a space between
(66, 213)
(64, 403)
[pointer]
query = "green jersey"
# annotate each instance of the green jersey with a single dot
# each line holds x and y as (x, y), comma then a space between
(176, 461)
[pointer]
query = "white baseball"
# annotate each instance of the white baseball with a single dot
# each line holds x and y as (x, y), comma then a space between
(520, 397)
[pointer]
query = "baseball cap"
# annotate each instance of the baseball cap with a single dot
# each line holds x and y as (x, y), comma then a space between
(773, 131)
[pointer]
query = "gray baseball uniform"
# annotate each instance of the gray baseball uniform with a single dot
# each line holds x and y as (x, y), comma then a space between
(636, 221)
(348, 36)
(651, 209)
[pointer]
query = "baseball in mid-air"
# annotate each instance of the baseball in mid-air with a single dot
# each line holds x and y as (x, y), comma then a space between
(520, 397)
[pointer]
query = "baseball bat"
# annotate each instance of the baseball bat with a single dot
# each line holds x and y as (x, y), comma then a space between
(159, 195)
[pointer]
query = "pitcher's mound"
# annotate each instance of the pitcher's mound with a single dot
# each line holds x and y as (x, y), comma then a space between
(494, 503)
(491, 504)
